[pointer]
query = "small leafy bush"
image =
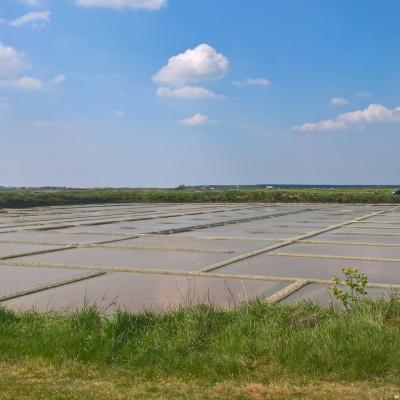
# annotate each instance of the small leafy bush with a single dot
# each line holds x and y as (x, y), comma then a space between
(351, 289)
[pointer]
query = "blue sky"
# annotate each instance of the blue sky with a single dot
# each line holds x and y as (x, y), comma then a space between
(166, 92)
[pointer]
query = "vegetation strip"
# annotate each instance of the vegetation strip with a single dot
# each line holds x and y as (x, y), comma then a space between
(51, 285)
(18, 198)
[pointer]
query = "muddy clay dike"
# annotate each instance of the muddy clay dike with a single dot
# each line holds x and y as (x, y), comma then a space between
(163, 256)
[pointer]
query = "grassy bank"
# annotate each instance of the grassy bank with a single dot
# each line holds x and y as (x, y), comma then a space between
(253, 352)
(42, 197)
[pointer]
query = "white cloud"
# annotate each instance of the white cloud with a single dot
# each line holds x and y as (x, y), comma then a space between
(11, 61)
(187, 92)
(252, 82)
(124, 4)
(374, 113)
(324, 125)
(201, 63)
(338, 101)
(119, 113)
(36, 18)
(58, 79)
(24, 83)
(196, 120)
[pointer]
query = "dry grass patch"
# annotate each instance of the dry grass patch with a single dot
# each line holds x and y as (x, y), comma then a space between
(41, 379)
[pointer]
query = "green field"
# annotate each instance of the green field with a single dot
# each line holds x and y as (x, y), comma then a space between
(48, 197)
(256, 351)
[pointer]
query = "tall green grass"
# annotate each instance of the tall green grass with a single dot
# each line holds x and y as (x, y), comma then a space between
(253, 340)
(47, 197)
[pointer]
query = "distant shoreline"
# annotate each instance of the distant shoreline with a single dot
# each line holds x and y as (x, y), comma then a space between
(210, 186)
(20, 198)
